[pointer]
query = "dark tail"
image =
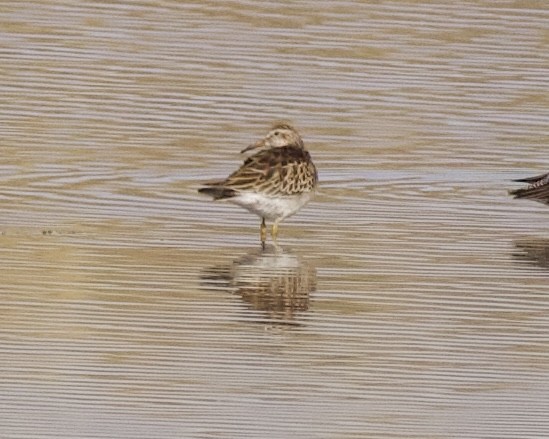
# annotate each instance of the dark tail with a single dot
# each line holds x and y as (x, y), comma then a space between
(538, 179)
(217, 192)
(520, 193)
(537, 193)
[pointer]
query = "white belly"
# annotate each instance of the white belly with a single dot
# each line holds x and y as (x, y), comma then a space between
(269, 207)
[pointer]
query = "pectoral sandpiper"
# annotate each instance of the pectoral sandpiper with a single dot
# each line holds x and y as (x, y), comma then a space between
(538, 189)
(274, 183)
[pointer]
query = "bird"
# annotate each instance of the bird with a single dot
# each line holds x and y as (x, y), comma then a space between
(274, 183)
(537, 189)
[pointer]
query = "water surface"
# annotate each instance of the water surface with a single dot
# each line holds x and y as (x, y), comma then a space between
(411, 298)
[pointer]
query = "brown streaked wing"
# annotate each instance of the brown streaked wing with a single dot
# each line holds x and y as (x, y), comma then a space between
(537, 190)
(253, 172)
(539, 193)
(273, 172)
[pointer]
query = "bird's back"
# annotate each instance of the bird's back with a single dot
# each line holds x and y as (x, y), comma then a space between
(282, 171)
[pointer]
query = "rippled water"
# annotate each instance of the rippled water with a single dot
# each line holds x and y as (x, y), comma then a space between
(411, 299)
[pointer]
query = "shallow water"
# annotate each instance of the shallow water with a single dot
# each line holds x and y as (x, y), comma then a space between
(411, 298)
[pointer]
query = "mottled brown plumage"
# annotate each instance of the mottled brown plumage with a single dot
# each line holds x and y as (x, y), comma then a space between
(275, 182)
(538, 189)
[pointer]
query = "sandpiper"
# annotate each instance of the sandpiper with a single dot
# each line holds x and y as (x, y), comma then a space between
(538, 188)
(274, 183)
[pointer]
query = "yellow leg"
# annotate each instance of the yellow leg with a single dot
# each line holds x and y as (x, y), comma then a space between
(263, 232)
(274, 231)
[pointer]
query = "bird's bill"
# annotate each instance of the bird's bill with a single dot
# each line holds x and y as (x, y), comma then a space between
(255, 145)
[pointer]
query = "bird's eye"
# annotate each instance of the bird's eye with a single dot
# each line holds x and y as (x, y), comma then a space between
(277, 133)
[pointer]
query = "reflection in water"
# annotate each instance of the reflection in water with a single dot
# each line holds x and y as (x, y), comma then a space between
(278, 283)
(533, 250)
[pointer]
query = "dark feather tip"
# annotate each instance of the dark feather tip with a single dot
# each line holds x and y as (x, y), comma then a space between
(218, 193)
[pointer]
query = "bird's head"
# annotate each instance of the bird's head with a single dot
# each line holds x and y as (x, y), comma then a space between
(279, 136)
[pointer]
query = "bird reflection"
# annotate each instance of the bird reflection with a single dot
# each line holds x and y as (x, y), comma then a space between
(535, 251)
(277, 283)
